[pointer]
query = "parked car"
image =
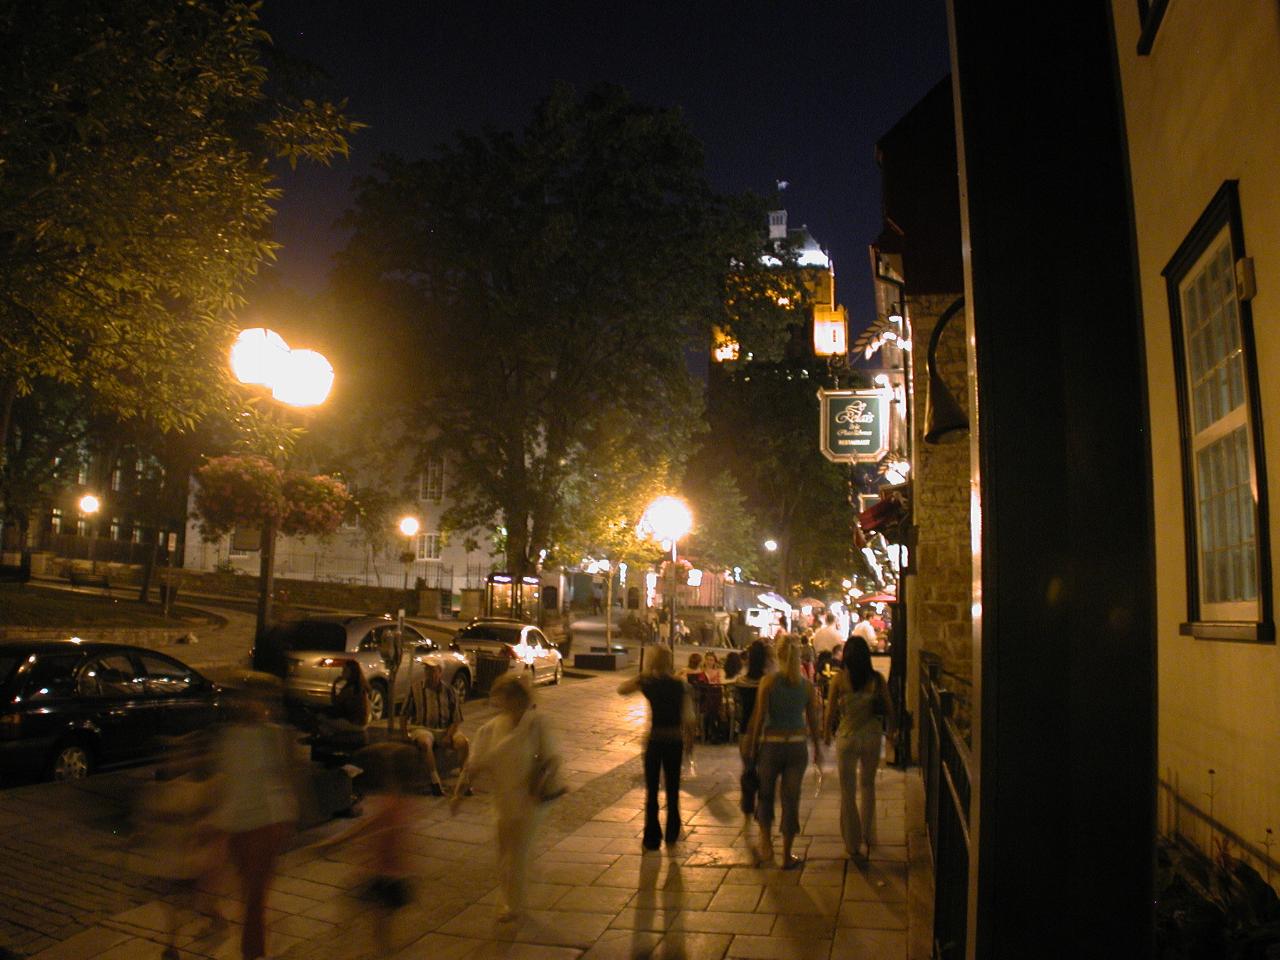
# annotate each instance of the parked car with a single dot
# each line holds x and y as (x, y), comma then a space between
(70, 707)
(523, 645)
(309, 654)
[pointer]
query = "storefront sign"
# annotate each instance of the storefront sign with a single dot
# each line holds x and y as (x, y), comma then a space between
(855, 425)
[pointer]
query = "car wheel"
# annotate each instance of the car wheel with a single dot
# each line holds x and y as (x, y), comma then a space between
(533, 675)
(461, 685)
(377, 701)
(555, 680)
(71, 761)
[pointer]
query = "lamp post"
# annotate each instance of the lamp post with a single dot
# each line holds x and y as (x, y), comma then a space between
(296, 378)
(669, 519)
(89, 505)
(409, 527)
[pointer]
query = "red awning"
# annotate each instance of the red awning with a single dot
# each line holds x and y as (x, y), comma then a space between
(876, 598)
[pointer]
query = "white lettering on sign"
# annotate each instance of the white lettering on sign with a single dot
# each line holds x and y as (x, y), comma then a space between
(855, 412)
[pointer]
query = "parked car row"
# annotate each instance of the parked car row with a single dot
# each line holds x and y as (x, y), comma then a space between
(69, 707)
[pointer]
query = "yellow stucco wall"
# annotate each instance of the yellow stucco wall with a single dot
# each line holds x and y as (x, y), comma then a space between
(1202, 108)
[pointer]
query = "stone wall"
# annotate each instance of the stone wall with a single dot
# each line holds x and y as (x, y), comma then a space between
(940, 594)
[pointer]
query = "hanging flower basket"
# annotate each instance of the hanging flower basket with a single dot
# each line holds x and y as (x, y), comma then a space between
(234, 490)
(313, 506)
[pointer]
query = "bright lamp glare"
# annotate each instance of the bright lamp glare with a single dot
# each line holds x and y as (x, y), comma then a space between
(257, 355)
(771, 545)
(669, 518)
(89, 503)
(409, 526)
(303, 380)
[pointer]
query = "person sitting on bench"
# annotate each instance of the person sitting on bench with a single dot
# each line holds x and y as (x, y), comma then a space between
(349, 716)
(436, 715)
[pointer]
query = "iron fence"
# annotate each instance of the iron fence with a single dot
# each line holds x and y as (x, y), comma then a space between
(944, 758)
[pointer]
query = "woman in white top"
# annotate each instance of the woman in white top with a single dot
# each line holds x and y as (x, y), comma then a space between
(516, 752)
(259, 805)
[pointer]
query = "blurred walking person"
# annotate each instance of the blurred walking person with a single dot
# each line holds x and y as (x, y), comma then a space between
(861, 711)
(786, 715)
(259, 805)
(515, 749)
(671, 724)
(746, 688)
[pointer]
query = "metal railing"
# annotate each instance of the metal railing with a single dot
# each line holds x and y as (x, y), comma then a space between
(944, 759)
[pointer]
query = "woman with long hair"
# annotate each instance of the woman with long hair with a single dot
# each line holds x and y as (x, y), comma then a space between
(786, 715)
(516, 750)
(671, 720)
(745, 689)
(859, 699)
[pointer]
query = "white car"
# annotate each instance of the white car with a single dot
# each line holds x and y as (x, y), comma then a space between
(523, 646)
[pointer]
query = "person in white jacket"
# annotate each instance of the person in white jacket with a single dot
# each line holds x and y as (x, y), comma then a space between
(515, 752)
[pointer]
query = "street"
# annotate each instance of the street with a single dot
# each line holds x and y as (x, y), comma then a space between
(64, 894)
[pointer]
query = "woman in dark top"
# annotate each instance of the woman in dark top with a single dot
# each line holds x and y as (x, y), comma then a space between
(745, 688)
(671, 720)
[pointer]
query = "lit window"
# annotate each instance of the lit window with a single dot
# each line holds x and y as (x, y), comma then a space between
(115, 528)
(117, 475)
(1226, 529)
(428, 546)
(55, 520)
(431, 482)
(82, 474)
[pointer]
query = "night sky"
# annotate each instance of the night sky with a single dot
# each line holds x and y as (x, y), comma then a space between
(776, 91)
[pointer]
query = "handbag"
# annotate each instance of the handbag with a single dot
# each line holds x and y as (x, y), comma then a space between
(545, 784)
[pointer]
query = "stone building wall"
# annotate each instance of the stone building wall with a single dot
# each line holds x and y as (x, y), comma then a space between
(940, 594)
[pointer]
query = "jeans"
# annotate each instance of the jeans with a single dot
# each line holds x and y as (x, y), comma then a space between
(788, 761)
(663, 756)
(857, 758)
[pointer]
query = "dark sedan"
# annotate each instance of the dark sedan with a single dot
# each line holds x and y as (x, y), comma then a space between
(69, 707)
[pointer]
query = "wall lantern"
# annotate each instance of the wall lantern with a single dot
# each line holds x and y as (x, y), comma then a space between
(830, 332)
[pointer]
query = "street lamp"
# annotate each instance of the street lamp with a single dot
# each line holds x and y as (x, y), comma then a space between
(409, 527)
(89, 505)
(771, 545)
(669, 519)
(296, 378)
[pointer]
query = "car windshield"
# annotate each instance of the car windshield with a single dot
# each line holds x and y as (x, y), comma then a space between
(310, 635)
(489, 631)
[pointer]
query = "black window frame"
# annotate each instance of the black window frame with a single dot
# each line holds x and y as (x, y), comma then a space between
(1222, 212)
(1150, 15)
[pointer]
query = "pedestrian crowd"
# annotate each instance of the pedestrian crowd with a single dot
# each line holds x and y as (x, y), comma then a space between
(230, 802)
(790, 695)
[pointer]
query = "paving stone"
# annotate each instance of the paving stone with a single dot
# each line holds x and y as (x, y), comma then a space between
(820, 901)
(680, 945)
(871, 914)
(736, 898)
(880, 944)
(623, 945)
(84, 945)
(608, 900)
(779, 948)
(724, 922)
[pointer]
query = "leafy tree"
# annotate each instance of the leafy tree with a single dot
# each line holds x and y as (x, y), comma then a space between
(136, 191)
(764, 421)
(726, 534)
(540, 292)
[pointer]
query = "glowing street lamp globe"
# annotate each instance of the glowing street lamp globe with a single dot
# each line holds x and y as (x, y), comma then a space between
(771, 545)
(303, 380)
(669, 518)
(89, 503)
(409, 526)
(257, 355)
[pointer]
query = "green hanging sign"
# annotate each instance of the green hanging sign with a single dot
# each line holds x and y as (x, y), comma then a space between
(855, 425)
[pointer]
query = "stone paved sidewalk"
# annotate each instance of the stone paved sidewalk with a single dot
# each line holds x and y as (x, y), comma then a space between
(595, 896)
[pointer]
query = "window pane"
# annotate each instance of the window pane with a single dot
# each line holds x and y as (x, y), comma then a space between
(1227, 520)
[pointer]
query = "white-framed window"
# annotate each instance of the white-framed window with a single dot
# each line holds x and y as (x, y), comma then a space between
(115, 528)
(431, 480)
(117, 477)
(136, 535)
(55, 519)
(1228, 562)
(428, 546)
(82, 527)
(82, 473)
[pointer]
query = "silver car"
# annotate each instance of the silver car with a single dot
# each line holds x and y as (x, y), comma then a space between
(309, 654)
(523, 646)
